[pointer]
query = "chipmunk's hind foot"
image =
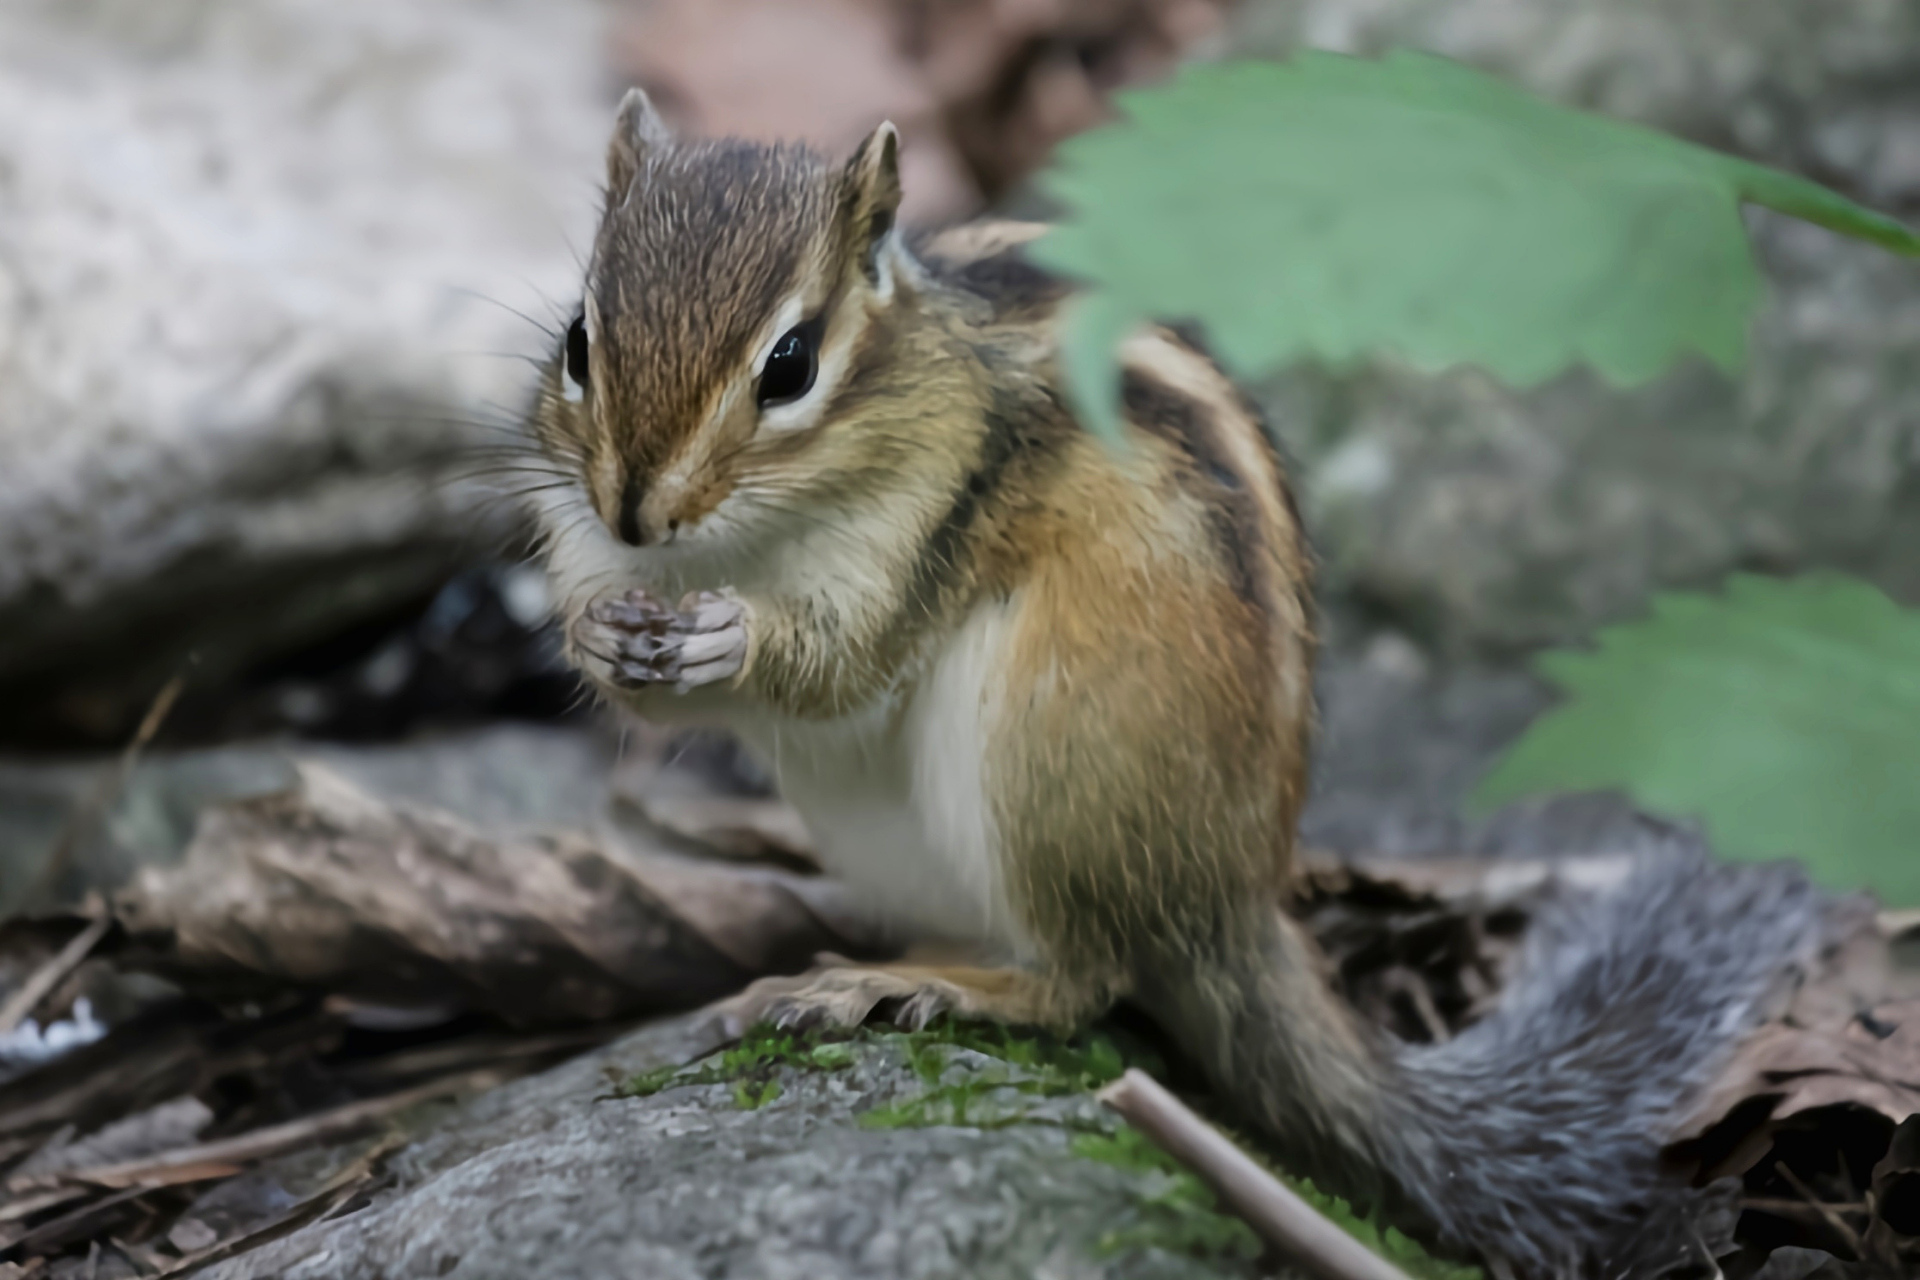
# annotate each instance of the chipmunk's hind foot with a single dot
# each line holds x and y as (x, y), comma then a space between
(909, 996)
(843, 997)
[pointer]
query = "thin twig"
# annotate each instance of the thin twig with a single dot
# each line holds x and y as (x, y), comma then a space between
(1403, 981)
(96, 801)
(1780, 1208)
(331, 1195)
(1286, 1221)
(1833, 1219)
(466, 1053)
(142, 1259)
(71, 1224)
(195, 1163)
(53, 972)
(27, 1206)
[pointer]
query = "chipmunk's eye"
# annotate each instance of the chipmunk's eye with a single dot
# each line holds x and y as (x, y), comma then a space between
(577, 354)
(791, 365)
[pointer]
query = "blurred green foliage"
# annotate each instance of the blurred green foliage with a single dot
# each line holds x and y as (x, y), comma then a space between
(1785, 715)
(1339, 208)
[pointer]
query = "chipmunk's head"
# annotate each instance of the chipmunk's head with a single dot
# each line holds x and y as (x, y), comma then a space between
(727, 306)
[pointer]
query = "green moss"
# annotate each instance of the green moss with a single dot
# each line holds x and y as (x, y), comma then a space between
(1046, 1067)
(1175, 1211)
(1403, 1251)
(647, 1083)
(1082, 1063)
(748, 1066)
(978, 1102)
(751, 1095)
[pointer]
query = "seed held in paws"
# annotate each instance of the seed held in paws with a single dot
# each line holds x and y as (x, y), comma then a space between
(644, 642)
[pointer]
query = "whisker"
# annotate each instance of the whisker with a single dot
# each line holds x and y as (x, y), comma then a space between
(537, 362)
(475, 293)
(564, 314)
(511, 430)
(508, 456)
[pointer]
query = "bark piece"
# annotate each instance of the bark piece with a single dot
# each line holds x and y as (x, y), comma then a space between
(328, 885)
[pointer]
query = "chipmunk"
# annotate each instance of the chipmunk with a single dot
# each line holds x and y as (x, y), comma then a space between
(1053, 698)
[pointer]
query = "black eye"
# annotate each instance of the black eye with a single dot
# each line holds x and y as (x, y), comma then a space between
(788, 373)
(577, 352)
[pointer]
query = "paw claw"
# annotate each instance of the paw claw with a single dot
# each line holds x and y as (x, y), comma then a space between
(639, 640)
(841, 997)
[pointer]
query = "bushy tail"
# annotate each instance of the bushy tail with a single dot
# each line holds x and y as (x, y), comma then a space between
(1530, 1140)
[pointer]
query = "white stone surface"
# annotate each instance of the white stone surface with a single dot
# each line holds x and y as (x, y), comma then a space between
(245, 252)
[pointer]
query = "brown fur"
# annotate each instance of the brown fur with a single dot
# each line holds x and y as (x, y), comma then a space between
(1146, 786)
(1139, 725)
(1146, 762)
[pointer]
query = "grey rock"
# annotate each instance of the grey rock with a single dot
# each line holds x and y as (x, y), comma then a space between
(550, 1176)
(1481, 521)
(247, 254)
(1403, 739)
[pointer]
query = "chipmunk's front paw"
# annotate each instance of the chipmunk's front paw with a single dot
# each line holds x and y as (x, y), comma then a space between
(642, 642)
(841, 998)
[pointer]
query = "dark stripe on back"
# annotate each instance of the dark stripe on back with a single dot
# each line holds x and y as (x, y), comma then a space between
(1006, 281)
(1021, 437)
(1233, 516)
(1191, 336)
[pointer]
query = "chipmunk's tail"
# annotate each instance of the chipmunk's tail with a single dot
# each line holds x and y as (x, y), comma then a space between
(1530, 1140)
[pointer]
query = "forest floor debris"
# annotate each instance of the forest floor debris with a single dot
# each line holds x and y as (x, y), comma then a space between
(407, 960)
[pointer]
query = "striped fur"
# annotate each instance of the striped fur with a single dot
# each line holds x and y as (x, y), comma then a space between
(1032, 693)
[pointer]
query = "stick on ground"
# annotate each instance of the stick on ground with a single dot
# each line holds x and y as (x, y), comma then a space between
(1282, 1218)
(89, 808)
(49, 975)
(217, 1159)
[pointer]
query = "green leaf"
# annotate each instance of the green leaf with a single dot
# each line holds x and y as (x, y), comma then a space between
(1089, 354)
(1341, 208)
(1785, 715)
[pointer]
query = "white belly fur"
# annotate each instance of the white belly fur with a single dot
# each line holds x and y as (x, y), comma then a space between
(894, 794)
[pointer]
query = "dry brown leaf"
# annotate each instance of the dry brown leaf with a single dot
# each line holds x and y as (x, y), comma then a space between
(1894, 1235)
(1810, 1107)
(1801, 1068)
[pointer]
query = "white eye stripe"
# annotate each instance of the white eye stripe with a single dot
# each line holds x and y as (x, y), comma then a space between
(835, 355)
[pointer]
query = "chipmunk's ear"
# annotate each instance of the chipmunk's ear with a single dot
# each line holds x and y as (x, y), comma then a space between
(872, 196)
(637, 129)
